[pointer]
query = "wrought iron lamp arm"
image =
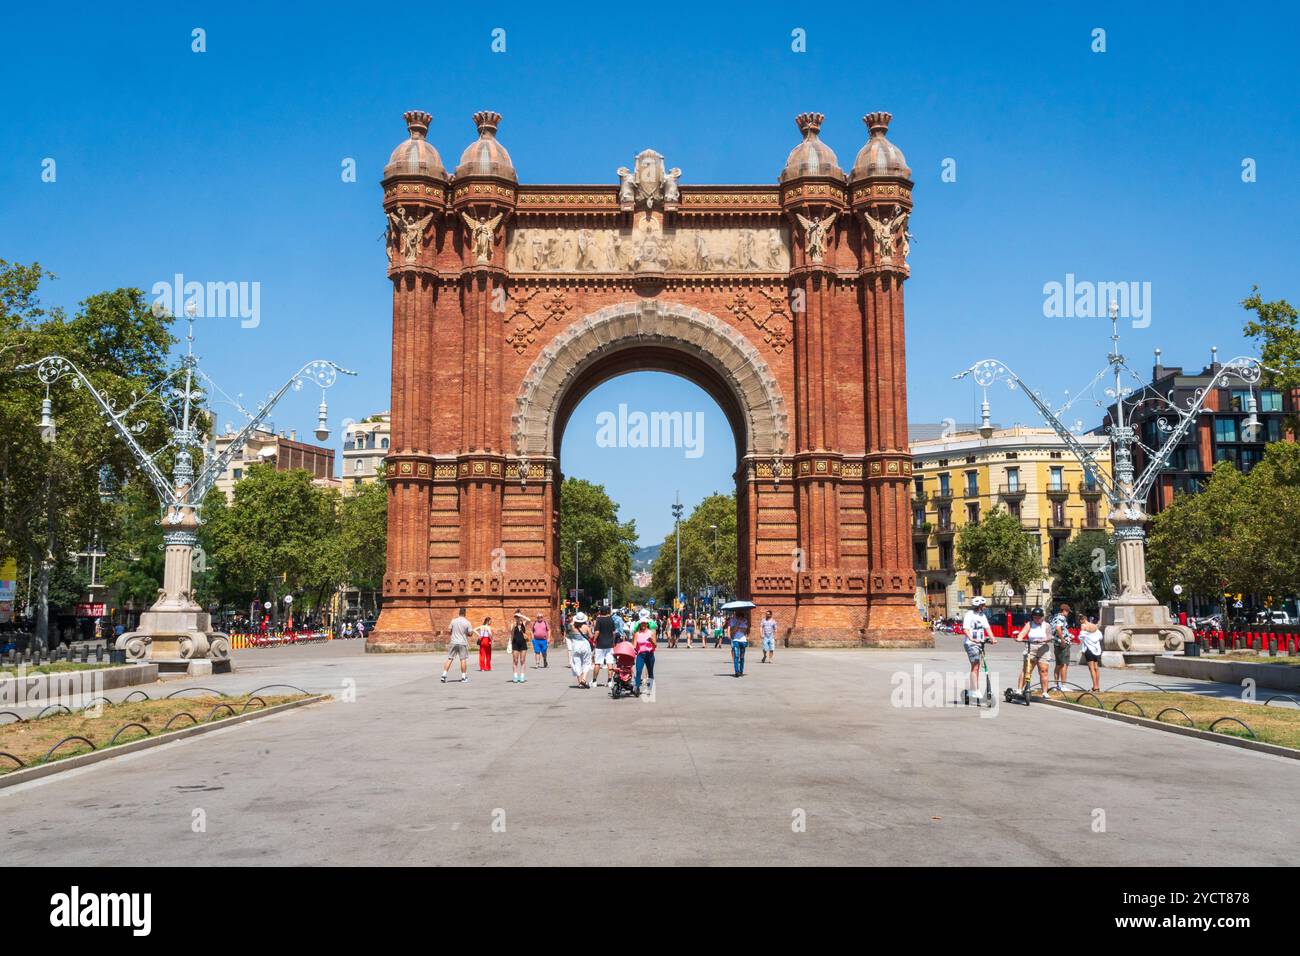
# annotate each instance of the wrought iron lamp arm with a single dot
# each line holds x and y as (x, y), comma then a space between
(321, 371)
(53, 367)
(1248, 370)
(988, 371)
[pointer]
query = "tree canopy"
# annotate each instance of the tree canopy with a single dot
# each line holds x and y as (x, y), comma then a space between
(997, 549)
(1076, 570)
(1241, 535)
(709, 557)
(587, 513)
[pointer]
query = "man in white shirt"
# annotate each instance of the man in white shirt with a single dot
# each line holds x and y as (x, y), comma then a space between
(978, 632)
(458, 644)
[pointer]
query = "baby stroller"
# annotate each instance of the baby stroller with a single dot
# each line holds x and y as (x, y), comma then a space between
(624, 662)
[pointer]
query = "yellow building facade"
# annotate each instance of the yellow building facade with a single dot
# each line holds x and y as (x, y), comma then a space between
(1028, 472)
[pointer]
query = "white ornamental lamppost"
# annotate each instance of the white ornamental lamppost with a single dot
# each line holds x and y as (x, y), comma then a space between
(1136, 626)
(176, 632)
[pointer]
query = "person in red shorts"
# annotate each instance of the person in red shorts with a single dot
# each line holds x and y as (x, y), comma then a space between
(485, 645)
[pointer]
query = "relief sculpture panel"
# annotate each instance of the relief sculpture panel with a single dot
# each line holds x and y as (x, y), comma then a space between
(684, 249)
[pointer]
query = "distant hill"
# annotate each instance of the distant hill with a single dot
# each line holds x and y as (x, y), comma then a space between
(644, 557)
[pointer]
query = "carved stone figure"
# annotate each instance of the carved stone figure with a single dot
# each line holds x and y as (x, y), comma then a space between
(671, 192)
(408, 232)
(775, 251)
(626, 186)
(816, 232)
(647, 183)
(586, 250)
(885, 233)
(745, 258)
(702, 257)
(481, 231)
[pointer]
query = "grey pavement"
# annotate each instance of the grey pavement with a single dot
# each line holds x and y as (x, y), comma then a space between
(825, 757)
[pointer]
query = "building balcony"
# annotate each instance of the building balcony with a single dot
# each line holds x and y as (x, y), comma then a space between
(1093, 524)
(1090, 491)
(919, 497)
(1059, 491)
(1060, 525)
(942, 495)
(1029, 524)
(920, 532)
(945, 530)
(970, 492)
(1011, 491)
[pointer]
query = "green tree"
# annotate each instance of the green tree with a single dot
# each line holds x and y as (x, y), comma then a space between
(605, 556)
(1275, 328)
(134, 565)
(1076, 570)
(710, 551)
(363, 535)
(998, 548)
(279, 536)
(1205, 541)
(50, 491)
(1271, 528)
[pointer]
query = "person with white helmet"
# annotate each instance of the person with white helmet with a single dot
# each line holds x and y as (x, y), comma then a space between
(580, 649)
(978, 632)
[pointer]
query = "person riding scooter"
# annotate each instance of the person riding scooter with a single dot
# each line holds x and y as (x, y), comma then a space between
(978, 631)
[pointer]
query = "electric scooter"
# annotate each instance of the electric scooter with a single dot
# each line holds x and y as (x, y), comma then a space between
(977, 699)
(1026, 675)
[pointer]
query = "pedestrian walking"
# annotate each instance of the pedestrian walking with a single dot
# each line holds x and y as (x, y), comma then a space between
(1061, 645)
(1090, 634)
(541, 641)
(739, 628)
(519, 647)
(458, 644)
(674, 628)
(768, 628)
(603, 652)
(978, 631)
(688, 625)
(644, 640)
(580, 649)
(485, 645)
(361, 629)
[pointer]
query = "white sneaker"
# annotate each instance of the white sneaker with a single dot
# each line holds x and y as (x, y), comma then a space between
(465, 679)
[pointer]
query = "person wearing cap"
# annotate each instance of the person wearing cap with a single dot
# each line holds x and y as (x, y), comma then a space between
(1039, 635)
(644, 642)
(1060, 626)
(580, 649)
(978, 632)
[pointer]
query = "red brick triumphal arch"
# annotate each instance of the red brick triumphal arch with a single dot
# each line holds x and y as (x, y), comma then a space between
(783, 301)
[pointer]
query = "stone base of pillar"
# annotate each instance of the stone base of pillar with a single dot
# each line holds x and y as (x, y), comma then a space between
(1136, 630)
(897, 625)
(176, 634)
(405, 630)
(857, 625)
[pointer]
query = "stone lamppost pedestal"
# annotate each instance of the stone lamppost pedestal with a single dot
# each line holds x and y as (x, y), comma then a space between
(1136, 626)
(176, 633)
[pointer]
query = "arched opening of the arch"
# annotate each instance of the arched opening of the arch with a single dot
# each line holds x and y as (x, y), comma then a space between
(662, 460)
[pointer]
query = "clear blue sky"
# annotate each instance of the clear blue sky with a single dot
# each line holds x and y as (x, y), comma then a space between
(225, 165)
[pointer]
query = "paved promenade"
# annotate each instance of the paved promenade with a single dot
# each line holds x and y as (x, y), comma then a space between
(807, 761)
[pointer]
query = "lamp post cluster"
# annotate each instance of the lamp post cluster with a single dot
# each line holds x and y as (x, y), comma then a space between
(1136, 625)
(176, 629)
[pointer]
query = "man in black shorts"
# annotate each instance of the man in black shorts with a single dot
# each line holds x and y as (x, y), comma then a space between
(603, 652)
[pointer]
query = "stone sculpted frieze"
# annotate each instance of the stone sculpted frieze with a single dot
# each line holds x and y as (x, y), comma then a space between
(684, 249)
